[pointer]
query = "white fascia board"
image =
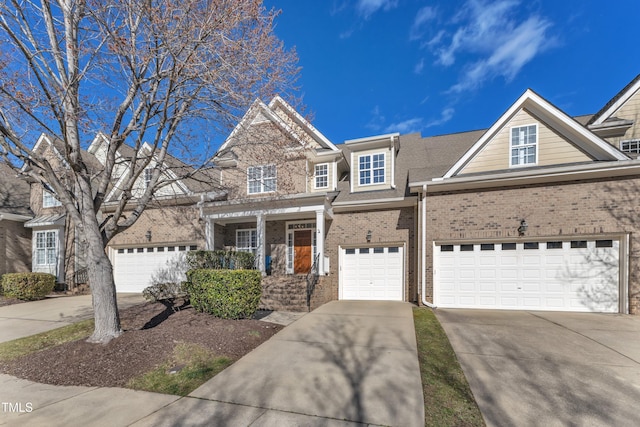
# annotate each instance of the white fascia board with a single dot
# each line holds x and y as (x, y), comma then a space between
(236, 214)
(97, 142)
(614, 107)
(551, 175)
(318, 136)
(375, 138)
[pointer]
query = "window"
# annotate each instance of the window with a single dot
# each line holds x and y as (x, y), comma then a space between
(46, 247)
(487, 247)
(49, 200)
(578, 244)
(148, 174)
(604, 243)
(466, 248)
(554, 245)
(371, 168)
(364, 250)
(247, 240)
(322, 176)
(531, 245)
(446, 248)
(350, 251)
(524, 142)
(508, 246)
(378, 250)
(261, 179)
(631, 146)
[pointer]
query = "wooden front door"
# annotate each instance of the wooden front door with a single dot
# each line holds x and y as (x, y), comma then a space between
(302, 251)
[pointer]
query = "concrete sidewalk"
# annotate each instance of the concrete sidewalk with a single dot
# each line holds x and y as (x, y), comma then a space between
(344, 364)
(29, 318)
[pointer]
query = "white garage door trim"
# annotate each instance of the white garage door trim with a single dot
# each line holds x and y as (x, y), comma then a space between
(573, 275)
(372, 272)
(134, 267)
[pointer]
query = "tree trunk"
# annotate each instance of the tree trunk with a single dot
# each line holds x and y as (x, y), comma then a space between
(103, 288)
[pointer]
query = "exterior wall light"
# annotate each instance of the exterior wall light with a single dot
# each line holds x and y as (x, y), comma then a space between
(368, 236)
(523, 227)
(148, 235)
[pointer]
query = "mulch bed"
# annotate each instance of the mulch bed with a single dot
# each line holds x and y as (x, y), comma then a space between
(151, 332)
(9, 301)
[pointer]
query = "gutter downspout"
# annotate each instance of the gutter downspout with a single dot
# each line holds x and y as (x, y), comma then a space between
(424, 250)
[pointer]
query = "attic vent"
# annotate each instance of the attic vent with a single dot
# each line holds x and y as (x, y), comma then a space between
(630, 146)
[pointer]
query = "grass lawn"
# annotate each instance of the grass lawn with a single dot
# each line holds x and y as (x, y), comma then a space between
(447, 397)
(189, 368)
(13, 349)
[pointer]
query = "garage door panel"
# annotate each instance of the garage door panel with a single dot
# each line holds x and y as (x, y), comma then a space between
(534, 275)
(134, 268)
(373, 274)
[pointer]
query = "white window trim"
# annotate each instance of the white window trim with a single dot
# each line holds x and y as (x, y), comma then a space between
(371, 169)
(49, 199)
(316, 176)
(261, 179)
(637, 143)
(251, 249)
(537, 145)
(47, 261)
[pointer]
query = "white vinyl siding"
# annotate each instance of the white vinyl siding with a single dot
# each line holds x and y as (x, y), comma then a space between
(261, 179)
(524, 145)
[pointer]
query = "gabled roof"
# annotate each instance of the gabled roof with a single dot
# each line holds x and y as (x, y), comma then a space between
(565, 125)
(616, 102)
(14, 192)
(187, 178)
(269, 112)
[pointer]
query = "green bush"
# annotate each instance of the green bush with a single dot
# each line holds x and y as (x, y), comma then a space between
(220, 260)
(229, 294)
(28, 286)
(163, 291)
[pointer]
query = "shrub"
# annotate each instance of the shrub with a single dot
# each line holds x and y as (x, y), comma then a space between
(28, 286)
(229, 294)
(219, 260)
(163, 291)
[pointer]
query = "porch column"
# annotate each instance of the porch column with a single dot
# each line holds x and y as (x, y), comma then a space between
(209, 234)
(320, 240)
(261, 236)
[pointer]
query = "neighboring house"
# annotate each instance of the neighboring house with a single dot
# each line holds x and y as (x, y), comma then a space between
(15, 240)
(537, 212)
(169, 226)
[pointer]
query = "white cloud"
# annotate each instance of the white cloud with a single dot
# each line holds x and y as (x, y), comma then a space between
(423, 17)
(408, 126)
(377, 120)
(490, 39)
(445, 116)
(366, 8)
(526, 41)
(417, 69)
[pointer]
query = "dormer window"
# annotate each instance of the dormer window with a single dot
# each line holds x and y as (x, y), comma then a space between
(322, 175)
(371, 169)
(49, 200)
(261, 179)
(524, 145)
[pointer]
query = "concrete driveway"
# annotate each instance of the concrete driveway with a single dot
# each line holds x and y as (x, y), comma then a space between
(549, 368)
(29, 318)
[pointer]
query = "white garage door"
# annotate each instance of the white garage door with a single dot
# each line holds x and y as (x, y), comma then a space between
(133, 268)
(372, 273)
(577, 275)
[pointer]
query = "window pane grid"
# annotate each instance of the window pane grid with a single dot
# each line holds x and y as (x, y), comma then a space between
(261, 179)
(523, 145)
(372, 167)
(322, 176)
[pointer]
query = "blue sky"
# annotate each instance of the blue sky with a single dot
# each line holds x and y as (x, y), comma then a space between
(378, 66)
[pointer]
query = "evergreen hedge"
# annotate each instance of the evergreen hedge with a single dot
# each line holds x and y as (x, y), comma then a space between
(28, 286)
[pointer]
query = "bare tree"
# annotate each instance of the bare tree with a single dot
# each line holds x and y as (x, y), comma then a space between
(166, 72)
